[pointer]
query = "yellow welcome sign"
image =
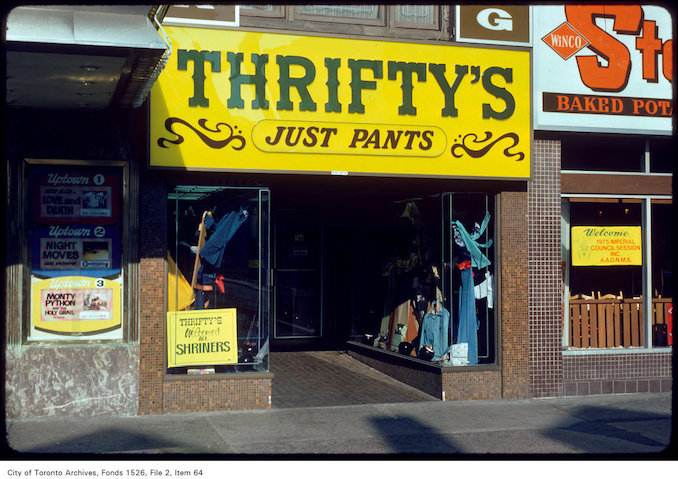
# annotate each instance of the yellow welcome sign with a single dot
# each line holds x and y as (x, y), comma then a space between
(252, 101)
(607, 246)
(202, 337)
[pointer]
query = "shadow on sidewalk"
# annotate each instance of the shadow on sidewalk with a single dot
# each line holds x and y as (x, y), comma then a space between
(406, 435)
(587, 431)
(111, 441)
(604, 430)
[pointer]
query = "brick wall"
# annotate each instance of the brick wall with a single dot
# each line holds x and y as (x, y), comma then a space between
(460, 383)
(470, 384)
(617, 373)
(514, 337)
(545, 281)
(217, 394)
(424, 378)
(152, 251)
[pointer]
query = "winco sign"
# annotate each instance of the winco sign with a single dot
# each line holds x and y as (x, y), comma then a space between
(603, 68)
(496, 24)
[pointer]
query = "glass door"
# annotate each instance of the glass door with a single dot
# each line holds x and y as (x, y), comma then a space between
(298, 275)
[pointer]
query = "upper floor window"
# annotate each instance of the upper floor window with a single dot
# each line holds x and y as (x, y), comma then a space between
(662, 154)
(603, 153)
(263, 10)
(390, 16)
(372, 14)
(420, 16)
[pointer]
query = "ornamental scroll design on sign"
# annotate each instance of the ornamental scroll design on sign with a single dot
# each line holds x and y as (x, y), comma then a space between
(476, 148)
(202, 123)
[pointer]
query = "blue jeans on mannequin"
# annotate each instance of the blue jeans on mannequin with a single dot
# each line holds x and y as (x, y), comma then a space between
(467, 332)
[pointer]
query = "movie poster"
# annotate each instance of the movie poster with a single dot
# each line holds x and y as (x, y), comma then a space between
(62, 250)
(74, 230)
(76, 305)
(76, 197)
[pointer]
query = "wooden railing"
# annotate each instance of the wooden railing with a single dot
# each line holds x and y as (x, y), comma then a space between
(610, 323)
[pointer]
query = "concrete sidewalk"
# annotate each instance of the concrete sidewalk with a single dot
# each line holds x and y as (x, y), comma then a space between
(599, 425)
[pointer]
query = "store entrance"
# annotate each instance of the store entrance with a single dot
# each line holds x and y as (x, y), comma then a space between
(297, 278)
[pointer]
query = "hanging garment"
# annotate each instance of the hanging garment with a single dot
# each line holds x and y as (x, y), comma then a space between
(180, 295)
(485, 290)
(398, 336)
(467, 331)
(413, 325)
(405, 314)
(213, 251)
(435, 330)
(402, 319)
(478, 259)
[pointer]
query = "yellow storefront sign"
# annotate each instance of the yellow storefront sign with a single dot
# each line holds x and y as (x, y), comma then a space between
(607, 246)
(251, 101)
(76, 305)
(201, 337)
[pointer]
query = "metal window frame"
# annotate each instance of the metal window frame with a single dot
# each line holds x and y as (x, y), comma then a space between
(492, 314)
(264, 242)
(128, 312)
(646, 225)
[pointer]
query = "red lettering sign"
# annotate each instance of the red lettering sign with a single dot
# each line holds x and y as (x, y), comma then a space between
(627, 20)
(595, 104)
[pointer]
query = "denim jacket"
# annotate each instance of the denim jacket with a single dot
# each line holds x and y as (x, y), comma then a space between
(435, 330)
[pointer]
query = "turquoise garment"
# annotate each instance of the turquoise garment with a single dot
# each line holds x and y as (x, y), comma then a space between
(435, 331)
(467, 332)
(478, 259)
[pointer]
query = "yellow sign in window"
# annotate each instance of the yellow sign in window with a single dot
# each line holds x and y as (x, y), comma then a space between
(607, 246)
(201, 337)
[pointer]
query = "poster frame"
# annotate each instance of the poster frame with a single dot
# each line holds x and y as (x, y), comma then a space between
(125, 251)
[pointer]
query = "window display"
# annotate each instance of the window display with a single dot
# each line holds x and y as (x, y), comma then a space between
(605, 258)
(437, 282)
(218, 280)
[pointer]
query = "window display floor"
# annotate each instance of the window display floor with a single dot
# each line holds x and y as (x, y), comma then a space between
(333, 378)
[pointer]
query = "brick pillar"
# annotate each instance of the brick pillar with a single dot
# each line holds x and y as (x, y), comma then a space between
(152, 276)
(545, 282)
(514, 324)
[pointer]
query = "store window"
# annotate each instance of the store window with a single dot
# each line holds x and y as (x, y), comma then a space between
(663, 259)
(390, 16)
(662, 154)
(603, 153)
(218, 280)
(432, 281)
(372, 13)
(605, 257)
(416, 15)
(262, 10)
(75, 223)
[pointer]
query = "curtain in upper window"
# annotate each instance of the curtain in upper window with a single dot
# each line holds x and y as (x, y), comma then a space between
(347, 11)
(423, 14)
